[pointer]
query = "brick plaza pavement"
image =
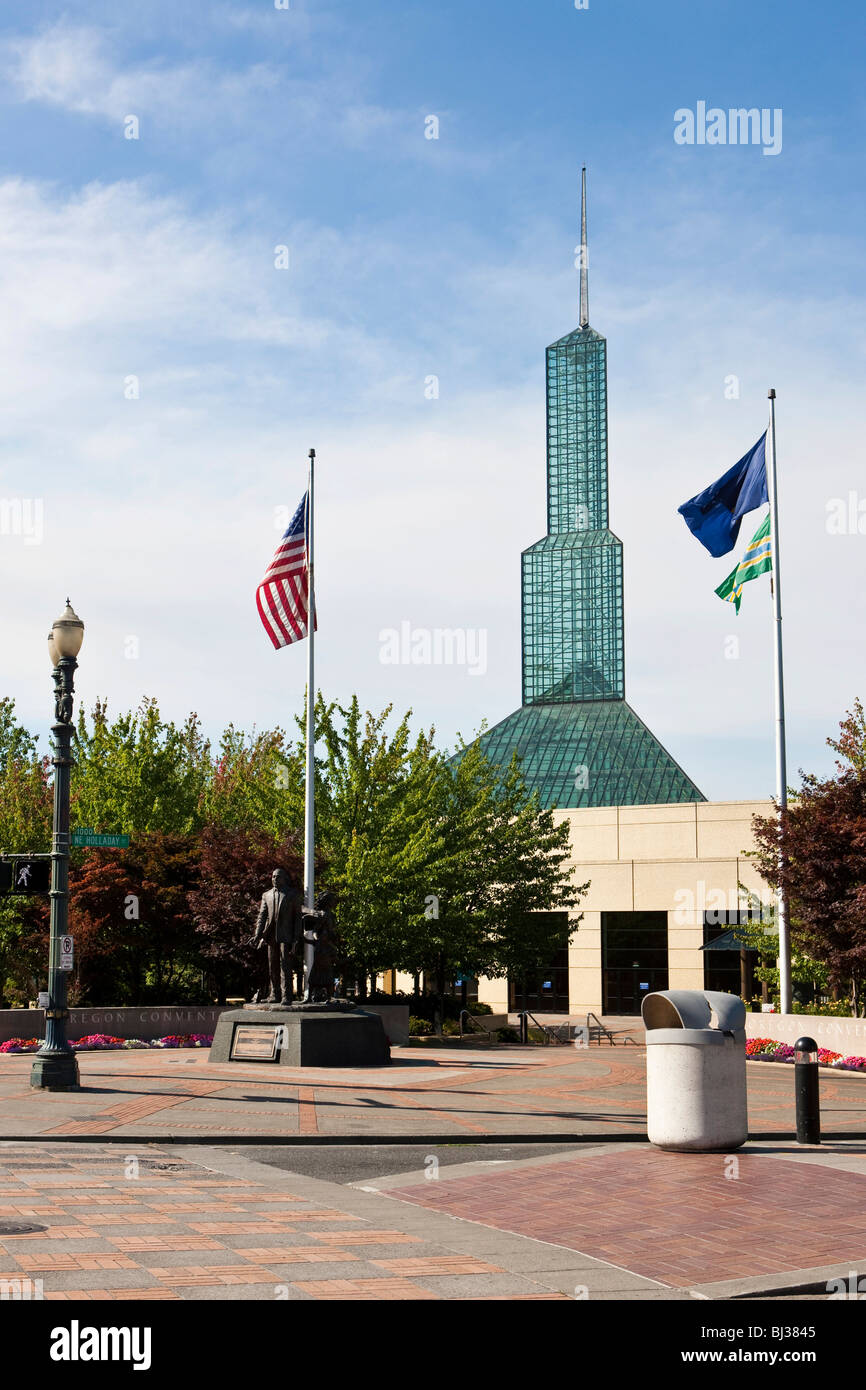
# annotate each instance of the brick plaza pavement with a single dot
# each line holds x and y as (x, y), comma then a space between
(138, 1222)
(543, 1092)
(711, 1221)
(125, 1213)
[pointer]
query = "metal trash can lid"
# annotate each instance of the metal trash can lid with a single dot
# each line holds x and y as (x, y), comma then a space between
(693, 1008)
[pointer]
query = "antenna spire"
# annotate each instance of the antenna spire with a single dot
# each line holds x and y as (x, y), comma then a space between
(584, 285)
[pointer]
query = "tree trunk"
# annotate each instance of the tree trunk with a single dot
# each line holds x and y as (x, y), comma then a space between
(745, 984)
(439, 1010)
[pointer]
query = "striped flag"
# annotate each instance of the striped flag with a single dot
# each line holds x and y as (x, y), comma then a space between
(283, 597)
(757, 560)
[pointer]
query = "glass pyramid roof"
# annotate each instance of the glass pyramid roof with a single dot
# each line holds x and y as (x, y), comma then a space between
(589, 753)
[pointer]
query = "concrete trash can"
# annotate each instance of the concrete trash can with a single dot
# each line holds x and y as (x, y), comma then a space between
(696, 1070)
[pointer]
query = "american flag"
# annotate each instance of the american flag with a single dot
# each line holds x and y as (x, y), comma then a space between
(283, 597)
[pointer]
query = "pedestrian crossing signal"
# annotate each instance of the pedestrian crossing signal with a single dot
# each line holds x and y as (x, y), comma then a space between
(25, 876)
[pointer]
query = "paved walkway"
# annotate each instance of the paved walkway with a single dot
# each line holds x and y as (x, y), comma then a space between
(709, 1222)
(125, 1212)
(139, 1222)
(430, 1092)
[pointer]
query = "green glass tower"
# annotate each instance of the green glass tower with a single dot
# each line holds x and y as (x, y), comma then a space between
(579, 743)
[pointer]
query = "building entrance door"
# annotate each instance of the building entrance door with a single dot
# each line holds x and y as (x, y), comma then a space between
(624, 989)
(635, 958)
(545, 989)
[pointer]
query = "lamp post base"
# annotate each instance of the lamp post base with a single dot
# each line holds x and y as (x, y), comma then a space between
(55, 1071)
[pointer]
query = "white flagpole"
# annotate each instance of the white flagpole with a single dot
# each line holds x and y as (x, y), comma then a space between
(309, 798)
(781, 761)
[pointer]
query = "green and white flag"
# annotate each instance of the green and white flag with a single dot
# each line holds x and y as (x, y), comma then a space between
(757, 560)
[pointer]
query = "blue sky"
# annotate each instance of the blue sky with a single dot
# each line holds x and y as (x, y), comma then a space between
(410, 257)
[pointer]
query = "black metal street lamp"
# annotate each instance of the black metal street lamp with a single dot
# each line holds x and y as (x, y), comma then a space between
(55, 1066)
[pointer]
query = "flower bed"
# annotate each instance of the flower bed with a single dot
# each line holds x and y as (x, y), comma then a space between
(96, 1042)
(769, 1050)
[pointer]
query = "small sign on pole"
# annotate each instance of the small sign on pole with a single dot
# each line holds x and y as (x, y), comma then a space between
(67, 950)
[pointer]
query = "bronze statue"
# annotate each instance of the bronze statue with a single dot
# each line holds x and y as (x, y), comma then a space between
(319, 981)
(279, 927)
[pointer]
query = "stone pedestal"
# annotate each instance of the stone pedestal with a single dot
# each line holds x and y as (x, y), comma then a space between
(336, 1034)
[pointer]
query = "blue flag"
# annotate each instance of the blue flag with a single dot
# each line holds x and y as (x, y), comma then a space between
(714, 515)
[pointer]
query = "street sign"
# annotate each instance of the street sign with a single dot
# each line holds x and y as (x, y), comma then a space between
(67, 951)
(85, 838)
(25, 875)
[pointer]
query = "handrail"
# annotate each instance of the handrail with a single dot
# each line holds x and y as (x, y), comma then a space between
(600, 1031)
(598, 1028)
(476, 1019)
(548, 1032)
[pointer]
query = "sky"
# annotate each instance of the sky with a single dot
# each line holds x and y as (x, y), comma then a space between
(163, 373)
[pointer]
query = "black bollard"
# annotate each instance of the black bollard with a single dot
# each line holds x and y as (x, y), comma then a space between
(524, 1029)
(806, 1091)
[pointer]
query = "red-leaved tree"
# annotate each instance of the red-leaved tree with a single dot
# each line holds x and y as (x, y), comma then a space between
(135, 941)
(817, 853)
(235, 867)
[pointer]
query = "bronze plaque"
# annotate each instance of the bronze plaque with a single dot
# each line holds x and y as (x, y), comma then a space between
(255, 1042)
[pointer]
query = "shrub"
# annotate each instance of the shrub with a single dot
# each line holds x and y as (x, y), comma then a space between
(508, 1035)
(419, 1027)
(833, 1008)
(425, 1005)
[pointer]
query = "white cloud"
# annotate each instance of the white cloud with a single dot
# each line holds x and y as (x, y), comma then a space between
(159, 511)
(75, 67)
(85, 70)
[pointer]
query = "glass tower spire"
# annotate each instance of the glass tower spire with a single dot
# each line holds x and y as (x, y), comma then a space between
(579, 742)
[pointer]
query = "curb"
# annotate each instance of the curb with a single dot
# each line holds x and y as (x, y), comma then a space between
(360, 1140)
(326, 1140)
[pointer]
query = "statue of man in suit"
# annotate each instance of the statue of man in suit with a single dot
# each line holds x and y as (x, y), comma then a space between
(279, 927)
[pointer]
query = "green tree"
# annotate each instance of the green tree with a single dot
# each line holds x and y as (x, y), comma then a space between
(139, 772)
(257, 782)
(503, 869)
(758, 930)
(375, 811)
(25, 825)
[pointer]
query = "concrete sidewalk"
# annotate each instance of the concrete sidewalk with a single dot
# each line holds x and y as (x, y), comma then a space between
(435, 1093)
(94, 1222)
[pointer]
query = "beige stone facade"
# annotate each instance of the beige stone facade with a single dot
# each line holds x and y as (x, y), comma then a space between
(683, 860)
